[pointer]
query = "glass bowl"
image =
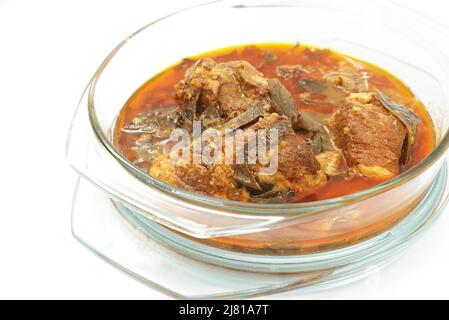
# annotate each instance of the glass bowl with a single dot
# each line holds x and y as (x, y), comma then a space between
(274, 238)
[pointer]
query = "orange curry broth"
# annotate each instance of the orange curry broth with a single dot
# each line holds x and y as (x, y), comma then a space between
(159, 90)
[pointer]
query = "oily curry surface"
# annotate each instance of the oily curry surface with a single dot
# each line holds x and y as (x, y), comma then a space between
(344, 125)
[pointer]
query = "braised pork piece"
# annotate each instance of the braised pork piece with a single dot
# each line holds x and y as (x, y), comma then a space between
(339, 125)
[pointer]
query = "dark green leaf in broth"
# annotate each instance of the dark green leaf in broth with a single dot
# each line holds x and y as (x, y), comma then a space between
(211, 117)
(321, 142)
(288, 71)
(282, 101)
(313, 86)
(245, 177)
(284, 104)
(272, 196)
(251, 114)
(327, 89)
(159, 121)
(408, 118)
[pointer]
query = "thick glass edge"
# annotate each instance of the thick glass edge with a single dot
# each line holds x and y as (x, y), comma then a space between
(432, 158)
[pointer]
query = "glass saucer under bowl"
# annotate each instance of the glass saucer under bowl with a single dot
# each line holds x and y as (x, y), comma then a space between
(171, 265)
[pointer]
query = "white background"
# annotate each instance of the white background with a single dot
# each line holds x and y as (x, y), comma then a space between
(48, 51)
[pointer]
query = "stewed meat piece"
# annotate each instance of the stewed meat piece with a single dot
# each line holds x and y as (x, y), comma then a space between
(215, 180)
(232, 86)
(298, 169)
(295, 156)
(370, 136)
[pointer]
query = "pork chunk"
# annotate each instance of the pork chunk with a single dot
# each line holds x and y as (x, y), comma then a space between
(370, 137)
(233, 86)
(295, 156)
(215, 180)
(298, 169)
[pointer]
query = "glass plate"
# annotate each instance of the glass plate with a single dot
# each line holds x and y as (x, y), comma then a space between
(126, 242)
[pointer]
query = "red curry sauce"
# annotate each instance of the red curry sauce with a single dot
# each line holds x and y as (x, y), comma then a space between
(160, 90)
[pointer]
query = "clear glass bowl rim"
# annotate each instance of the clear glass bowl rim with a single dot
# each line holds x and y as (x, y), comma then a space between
(431, 159)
